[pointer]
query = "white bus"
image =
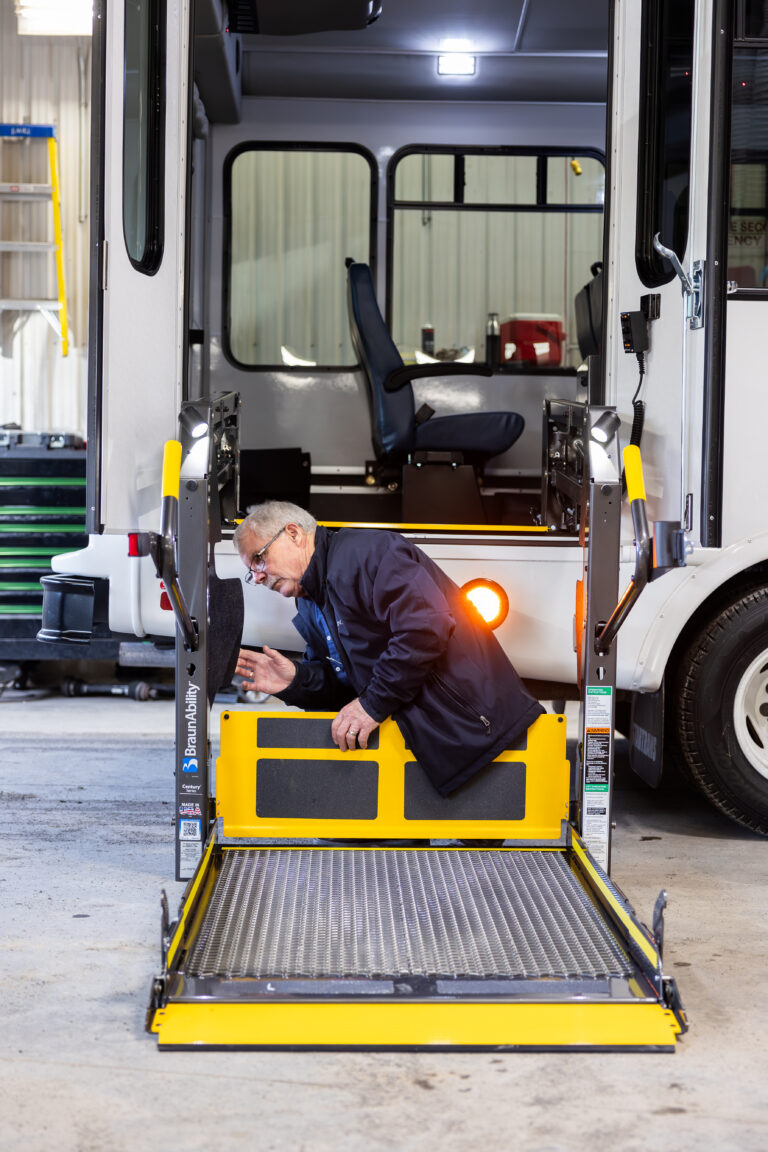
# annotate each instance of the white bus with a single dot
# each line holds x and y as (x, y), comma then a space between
(241, 154)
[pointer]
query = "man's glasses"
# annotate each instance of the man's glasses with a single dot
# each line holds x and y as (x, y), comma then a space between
(258, 560)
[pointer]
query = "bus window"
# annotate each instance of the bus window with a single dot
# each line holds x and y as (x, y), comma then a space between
(753, 18)
(664, 149)
(143, 133)
(748, 207)
(476, 233)
(294, 214)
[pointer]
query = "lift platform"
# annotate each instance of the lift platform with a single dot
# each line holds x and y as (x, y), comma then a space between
(404, 939)
(338, 901)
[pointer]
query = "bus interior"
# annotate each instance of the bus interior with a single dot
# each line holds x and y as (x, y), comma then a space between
(475, 200)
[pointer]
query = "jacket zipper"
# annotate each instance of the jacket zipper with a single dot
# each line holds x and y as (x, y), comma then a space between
(462, 703)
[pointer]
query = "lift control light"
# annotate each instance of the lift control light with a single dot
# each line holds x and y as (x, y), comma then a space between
(490, 600)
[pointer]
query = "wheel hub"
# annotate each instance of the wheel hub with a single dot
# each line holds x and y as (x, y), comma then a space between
(750, 713)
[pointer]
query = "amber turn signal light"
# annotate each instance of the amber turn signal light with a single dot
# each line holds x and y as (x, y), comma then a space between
(490, 600)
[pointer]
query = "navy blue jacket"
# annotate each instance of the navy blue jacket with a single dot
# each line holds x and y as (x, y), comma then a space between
(413, 649)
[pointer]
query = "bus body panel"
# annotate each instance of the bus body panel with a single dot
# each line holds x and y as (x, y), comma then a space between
(745, 419)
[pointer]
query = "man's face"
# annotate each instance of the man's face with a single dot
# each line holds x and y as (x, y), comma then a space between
(285, 560)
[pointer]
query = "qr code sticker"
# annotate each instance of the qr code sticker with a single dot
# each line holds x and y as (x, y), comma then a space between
(189, 829)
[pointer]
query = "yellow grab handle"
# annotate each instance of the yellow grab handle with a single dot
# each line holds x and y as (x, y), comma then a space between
(171, 468)
(633, 471)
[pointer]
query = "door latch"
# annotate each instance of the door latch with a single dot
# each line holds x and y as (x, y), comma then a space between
(693, 285)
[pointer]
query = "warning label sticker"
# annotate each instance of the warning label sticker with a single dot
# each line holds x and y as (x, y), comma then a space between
(598, 707)
(598, 734)
(597, 759)
(189, 855)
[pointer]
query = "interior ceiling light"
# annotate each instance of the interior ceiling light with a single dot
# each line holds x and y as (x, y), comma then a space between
(54, 17)
(456, 58)
(490, 600)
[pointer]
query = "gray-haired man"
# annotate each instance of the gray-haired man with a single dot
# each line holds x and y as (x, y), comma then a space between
(387, 634)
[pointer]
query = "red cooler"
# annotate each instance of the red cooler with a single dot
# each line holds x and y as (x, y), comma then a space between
(533, 338)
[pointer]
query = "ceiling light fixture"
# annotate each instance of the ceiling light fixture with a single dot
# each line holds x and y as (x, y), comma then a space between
(54, 17)
(456, 58)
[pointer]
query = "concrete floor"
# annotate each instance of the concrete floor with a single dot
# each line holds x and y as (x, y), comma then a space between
(87, 797)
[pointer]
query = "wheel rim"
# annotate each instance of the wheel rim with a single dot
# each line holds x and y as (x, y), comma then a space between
(750, 714)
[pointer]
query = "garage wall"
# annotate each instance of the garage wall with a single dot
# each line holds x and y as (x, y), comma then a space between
(40, 84)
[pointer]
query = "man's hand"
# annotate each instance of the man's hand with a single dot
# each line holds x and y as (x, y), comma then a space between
(266, 671)
(352, 726)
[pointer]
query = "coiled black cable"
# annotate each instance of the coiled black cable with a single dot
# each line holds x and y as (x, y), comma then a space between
(638, 418)
(638, 406)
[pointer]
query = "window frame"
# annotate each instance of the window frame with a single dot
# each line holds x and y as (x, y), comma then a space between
(154, 184)
(541, 206)
(286, 146)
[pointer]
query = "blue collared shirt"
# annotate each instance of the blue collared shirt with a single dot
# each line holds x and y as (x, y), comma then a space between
(333, 653)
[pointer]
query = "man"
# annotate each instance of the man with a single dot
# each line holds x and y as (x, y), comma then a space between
(387, 634)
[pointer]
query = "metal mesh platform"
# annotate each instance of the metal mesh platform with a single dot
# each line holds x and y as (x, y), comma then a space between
(326, 913)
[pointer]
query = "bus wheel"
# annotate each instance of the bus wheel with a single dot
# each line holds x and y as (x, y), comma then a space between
(722, 696)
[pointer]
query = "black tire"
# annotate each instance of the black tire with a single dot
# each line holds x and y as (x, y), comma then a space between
(721, 701)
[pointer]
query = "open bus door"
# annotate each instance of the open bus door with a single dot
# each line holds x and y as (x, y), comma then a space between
(140, 132)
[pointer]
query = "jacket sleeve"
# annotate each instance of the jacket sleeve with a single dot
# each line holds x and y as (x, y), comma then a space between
(407, 600)
(314, 687)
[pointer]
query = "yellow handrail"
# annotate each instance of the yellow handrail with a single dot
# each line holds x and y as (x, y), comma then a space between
(633, 471)
(171, 468)
(61, 283)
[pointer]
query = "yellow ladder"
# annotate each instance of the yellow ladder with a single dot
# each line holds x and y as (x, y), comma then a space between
(54, 310)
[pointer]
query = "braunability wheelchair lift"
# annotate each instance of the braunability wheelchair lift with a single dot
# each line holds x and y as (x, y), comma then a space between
(336, 900)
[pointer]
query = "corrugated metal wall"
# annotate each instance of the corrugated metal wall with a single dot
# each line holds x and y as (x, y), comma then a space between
(40, 84)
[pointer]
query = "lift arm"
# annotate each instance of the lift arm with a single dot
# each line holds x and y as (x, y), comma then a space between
(162, 546)
(633, 470)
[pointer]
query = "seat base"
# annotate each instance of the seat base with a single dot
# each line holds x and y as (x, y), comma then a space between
(441, 494)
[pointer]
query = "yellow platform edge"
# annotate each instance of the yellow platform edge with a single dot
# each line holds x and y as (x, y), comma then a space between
(388, 1025)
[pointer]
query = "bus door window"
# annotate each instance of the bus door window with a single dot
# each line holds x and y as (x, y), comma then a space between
(664, 136)
(748, 196)
(144, 133)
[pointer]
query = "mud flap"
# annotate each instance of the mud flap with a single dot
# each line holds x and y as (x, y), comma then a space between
(646, 736)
